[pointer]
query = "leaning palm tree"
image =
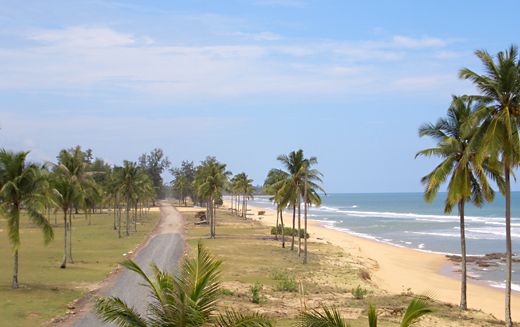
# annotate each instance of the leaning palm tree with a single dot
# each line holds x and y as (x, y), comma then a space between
(20, 187)
(272, 185)
(499, 87)
(467, 176)
(188, 299)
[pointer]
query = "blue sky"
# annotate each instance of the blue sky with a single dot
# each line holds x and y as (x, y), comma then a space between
(349, 82)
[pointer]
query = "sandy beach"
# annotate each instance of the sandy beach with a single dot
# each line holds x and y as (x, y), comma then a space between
(398, 270)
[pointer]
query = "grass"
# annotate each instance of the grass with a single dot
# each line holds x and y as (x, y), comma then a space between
(45, 288)
(328, 278)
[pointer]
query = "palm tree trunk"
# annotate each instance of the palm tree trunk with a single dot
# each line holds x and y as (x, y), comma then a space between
(70, 237)
(283, 229)
(64, 261)
(463, 301)
(277, 215)
(299, 223)
(293, 225)
(135, 217)
(305, 218)
(14, 284)
(115, 225)
(119, 214)
(509, 321)
(127, 212)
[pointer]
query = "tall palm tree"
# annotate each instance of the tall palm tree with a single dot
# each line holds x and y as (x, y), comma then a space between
(65, 195)
(181, 185)
(245, 187)
(130, 179)
(212, 179)
(272, 185)
(186, 300)
(467, 177)
(20, 187)
(499, 87)
(293, 186)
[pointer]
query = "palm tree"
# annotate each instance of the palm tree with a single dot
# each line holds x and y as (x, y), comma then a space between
(245, 187)
(65, 196)
(272, 185)
(181, 185)
(186, 300)
(20, 187)
(467, 177)
(211, 178)
(500, 89)
(130, 179)
(297, 165)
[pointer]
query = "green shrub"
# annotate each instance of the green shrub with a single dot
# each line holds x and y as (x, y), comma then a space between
(225, 291)
(278, 274)
(358, 292)
(288, 231)
(288, 284)
(255, 291)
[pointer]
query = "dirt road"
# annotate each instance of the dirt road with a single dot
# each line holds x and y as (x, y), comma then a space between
(164, 247)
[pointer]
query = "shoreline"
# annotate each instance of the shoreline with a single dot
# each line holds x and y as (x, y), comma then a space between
(398, 269)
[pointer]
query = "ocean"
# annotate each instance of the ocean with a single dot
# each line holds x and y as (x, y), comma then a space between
(406, 220)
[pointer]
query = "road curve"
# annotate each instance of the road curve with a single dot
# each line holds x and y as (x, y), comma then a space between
(165, 250)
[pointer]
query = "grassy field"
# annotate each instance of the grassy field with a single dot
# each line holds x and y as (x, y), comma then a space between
(45, 288)
(252, 256)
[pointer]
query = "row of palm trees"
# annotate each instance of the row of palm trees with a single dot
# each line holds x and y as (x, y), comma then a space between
(289, 187)
(65, 186)
(479, 140)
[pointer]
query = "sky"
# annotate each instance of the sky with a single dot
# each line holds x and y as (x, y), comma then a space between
(349, 82)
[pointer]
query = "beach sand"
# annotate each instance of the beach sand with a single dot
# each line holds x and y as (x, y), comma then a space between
(398, 270)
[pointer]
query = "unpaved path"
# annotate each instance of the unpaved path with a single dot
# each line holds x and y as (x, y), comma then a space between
(163, 246)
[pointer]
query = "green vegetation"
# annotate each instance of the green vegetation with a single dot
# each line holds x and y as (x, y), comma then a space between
(359, 293)
(45, 289)
(188, 299)
(288, 231)
(467, 176)
(255, 293)
(291, 186)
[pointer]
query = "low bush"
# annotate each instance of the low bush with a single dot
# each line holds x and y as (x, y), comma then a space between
(288, 231)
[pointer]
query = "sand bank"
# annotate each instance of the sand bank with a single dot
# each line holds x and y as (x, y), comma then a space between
(397, 270)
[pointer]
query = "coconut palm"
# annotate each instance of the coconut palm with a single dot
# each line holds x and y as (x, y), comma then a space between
(467, 176)
(293, 186)
(188, 299)
(272, 185)
(130, 179)
(20, 187)
(245, 187)
(499, 87)
(181, 185)
(211, 179)
(65, 195)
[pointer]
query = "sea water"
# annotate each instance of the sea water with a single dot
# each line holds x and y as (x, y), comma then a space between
(406, 220)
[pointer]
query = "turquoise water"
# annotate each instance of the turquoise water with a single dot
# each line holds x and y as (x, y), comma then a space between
(404, 219)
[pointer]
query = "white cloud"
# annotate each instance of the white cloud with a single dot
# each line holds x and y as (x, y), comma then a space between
(85, 37)
(414, 43)
(99, 60)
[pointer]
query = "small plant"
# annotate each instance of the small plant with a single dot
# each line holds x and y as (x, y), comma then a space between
(287, 284)
(359, 293)
(225, 291)
(277, 274)
(255, 291)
